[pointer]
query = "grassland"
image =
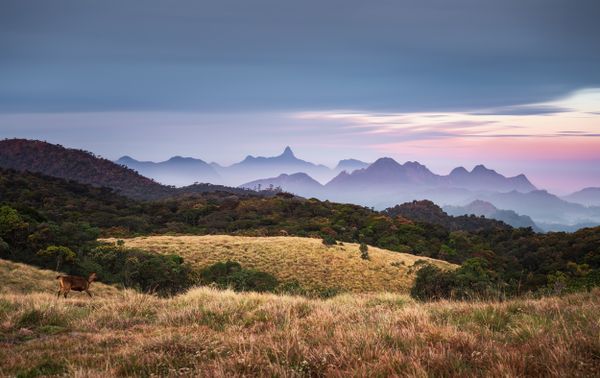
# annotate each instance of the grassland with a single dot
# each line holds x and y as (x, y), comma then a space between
(211, 333)
(310, 262)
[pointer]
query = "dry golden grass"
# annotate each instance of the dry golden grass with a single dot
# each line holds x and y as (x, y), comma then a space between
(211, 333)
(312, 264)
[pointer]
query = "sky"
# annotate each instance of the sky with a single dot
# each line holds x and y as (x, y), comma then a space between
(512, 84)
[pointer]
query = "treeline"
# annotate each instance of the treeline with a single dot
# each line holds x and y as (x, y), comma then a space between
(515, 261)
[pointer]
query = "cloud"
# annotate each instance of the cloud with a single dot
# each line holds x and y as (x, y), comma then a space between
(523, 110)
(267, 55)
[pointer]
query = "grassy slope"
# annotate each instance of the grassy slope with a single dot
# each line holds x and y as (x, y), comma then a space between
(23, 278)
(307, 260)
(211, 333)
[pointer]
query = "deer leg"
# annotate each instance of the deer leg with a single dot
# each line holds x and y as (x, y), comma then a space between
(88, 293)
(58, 295)
(66, 292)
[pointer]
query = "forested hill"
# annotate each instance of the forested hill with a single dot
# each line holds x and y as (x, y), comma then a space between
(428, 212)
(87, 168)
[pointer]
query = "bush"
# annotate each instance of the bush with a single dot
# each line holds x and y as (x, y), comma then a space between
(364, 251)
(432, 283)
(473, 280)
(230, 274)
(329, 240)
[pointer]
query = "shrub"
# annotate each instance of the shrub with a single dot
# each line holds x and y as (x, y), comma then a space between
(230, 274)
(329, 240)
(432, 283)
(364, 251)
(473, 280)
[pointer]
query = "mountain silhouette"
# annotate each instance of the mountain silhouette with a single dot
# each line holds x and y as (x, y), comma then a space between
(586, 196)
(488, 210)
(294, 183)
(387, 175)
(350, 165)
(259, 167)
(178, 171)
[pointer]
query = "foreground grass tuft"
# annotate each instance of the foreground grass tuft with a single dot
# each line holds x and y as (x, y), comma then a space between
(207, 332)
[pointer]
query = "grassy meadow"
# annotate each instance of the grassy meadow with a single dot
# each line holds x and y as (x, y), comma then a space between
(307, 260)
(212, 333)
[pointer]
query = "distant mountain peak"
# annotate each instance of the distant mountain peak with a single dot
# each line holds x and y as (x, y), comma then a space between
(415, 165)
(459, 171)
(385, 162)
(480, 168)
(288, 153)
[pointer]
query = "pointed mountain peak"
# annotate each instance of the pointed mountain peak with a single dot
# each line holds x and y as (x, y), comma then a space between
(288, 153)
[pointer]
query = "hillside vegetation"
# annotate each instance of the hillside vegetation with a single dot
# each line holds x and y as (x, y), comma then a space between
(39, 212)
(207, 332)
(305, 260)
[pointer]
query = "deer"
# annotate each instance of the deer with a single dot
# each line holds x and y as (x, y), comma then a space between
(76, 283)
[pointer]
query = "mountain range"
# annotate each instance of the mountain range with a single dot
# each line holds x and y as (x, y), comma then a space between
(180, 171)
(386, 182)
(382, 184)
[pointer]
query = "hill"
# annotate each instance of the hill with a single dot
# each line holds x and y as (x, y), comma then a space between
(306, 260)
(350, 165)
(586, 196)
(486, 209)
(178, 171)
(428, 212)
(206, 332)
(86, 168)
(297, 183)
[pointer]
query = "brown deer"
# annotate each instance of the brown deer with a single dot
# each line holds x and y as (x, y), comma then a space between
(76, 283)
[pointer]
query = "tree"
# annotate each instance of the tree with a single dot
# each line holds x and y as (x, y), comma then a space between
(60, 253)
(11, 224)
(4, 247)
(364, 251)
